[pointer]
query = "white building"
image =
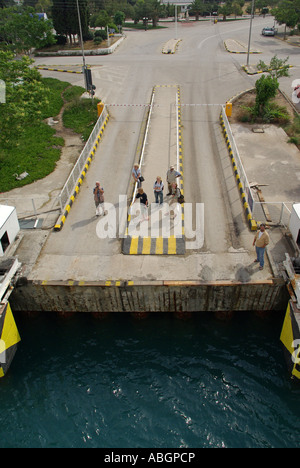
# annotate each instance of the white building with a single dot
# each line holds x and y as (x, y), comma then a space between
(9, 227)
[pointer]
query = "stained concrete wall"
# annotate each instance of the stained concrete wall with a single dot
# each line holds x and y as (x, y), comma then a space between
(160, 296)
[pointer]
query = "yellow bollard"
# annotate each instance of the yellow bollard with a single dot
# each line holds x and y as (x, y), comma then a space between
(228, 109)
(100, 107)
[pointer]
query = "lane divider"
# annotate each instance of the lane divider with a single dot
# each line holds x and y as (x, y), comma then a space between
(160, 245)
(240, 51)
(257, 72)
(40, 67)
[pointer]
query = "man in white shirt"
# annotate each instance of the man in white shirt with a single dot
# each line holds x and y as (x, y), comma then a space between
(171, 178)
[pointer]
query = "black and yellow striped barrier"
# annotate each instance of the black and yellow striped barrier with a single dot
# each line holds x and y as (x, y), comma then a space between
(63, 70)
(251, 222)
(9, 339)
(154, 245)
(257, 72)
(63, 218)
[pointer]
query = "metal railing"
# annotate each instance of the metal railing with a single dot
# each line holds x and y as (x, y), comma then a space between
(238, 162)
(31, 207)
(72, 180)
(273, 213)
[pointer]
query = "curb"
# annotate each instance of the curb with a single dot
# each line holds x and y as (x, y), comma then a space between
(68, 207)
(245, 68)
(240, 52)
(171, 50)
(57, 70)
(78, 53)
(251, 222)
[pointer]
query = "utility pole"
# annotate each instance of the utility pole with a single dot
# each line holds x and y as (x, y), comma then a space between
(252, 14)
(82, 48)
(175, 20)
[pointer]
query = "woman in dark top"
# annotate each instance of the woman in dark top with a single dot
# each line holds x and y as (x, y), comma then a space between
(143, 203)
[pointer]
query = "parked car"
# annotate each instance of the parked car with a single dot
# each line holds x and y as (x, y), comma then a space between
(268, 32)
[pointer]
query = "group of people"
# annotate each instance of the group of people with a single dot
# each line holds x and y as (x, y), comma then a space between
(158, 188)
(261, 239)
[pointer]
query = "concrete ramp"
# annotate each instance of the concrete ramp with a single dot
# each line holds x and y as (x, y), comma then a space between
(162, 230)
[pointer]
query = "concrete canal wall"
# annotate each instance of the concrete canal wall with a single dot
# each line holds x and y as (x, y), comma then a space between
(154, 296)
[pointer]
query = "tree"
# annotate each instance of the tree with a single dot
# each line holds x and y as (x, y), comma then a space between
(119, 19)
(226, 10)
(21, 29)
(65, 17)
(25, 95)
(151, 9)
(277, 67)
(103, 19)
(288, 13)
(237, 9)
(197, 8)
(266, 89)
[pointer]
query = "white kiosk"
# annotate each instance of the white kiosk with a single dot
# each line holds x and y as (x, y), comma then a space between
(9, 227)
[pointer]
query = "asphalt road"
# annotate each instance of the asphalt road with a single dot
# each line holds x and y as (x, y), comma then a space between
(207, 75)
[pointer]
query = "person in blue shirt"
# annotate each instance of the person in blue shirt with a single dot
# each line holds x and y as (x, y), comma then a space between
(158, 190)
(136, 174)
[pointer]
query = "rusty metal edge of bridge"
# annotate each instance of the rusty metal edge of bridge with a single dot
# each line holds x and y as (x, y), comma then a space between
(148, 296)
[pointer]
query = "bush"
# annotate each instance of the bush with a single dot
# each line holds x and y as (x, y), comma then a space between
(276, 114)
(266, 89)
(100, 34)
(89, 36)
(60, 40)
(295, 140)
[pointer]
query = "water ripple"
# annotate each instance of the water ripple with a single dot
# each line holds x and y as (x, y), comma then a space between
(156, 383)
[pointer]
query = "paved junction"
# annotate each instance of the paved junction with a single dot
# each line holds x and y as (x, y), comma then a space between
(217, 239)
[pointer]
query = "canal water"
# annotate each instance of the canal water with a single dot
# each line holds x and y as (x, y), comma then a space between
(154, 383)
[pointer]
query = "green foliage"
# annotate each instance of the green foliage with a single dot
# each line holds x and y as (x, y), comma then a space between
(26, 95)
(119, 18)
(266, 88)
(274, 113)
(65, 17)
(81, 115)
(55, 101)
(287, 12)
(36, 151)
(293, 130)
(295, 140)
(21, 29)
(277, 67)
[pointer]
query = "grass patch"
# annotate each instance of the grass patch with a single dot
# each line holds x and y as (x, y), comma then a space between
(73, 92)
(293, 131)
(81, 115)
(37, 150)
(56, 88)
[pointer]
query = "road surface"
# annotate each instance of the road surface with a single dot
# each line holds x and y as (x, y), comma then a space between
(207, 76)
